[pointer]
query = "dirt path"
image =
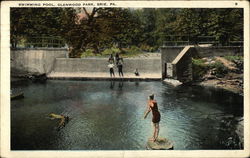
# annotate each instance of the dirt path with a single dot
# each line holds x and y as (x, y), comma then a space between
(230, 65)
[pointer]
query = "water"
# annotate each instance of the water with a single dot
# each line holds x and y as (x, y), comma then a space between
(107, 115)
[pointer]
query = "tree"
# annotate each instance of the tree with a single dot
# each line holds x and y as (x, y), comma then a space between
(103, 27)
(29, 22)
(226, 24)
(97, 28)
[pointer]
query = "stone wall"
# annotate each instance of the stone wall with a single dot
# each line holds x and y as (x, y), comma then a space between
(35, 60)
(168, 54)
(182, 65)
(219, 51)
(100, 65)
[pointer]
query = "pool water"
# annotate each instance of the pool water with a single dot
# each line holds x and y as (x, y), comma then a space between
(108, 115)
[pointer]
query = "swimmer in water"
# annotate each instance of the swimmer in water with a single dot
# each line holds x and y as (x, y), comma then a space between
(64, 119)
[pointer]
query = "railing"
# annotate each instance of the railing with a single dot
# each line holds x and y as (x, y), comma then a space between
(43, 42)
(192, 40)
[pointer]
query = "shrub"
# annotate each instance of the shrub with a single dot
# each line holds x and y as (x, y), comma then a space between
(148, 48)
(132, 51)
(199, 68)
(234, 58)
(237, 60)
(220, 69)
(112, 50)
(89, 53)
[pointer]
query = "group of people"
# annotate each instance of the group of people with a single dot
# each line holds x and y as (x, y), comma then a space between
(118, 61)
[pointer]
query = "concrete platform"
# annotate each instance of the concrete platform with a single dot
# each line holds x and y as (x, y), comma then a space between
(160, 144)
(103, 76)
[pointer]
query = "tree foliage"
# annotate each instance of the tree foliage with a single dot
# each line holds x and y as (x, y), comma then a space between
(148, 28)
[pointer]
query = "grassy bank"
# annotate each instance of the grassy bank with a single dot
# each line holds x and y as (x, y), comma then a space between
(221, 72)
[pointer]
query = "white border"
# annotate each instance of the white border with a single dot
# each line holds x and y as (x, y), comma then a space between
(5, 85)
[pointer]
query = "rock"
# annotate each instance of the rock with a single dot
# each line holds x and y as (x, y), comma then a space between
(17, 95)
(38, 77)
(160, 144)
(172, 82)
(240, 132)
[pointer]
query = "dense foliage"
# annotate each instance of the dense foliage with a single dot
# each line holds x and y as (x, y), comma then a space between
(97, 29)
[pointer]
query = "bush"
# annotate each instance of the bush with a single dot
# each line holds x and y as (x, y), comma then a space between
(112, 50)
(220, 69)
(237, 60)
(234, 58)
(89, 53)
(199, 68)
(148, 48)
(132, 51)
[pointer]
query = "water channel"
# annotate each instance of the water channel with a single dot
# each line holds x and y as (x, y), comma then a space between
(108, 115)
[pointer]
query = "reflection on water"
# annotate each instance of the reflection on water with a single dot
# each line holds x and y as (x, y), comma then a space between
(107, 115)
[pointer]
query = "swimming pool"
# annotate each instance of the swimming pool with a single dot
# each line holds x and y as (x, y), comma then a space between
(108, 115)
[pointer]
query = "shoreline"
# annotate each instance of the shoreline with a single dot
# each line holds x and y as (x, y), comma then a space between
(220, 84)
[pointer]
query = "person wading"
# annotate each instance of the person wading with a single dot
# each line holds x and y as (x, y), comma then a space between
(152, 106)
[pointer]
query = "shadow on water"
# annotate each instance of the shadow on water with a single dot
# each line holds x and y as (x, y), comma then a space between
(215, 112)
(113, 83)
(231, 102)
(107, 115)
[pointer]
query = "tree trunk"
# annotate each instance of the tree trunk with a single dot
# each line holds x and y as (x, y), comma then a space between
(96, 49)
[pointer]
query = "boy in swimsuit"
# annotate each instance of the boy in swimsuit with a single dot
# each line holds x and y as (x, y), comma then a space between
(152, 106)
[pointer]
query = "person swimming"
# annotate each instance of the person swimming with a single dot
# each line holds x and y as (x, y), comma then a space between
(62, 123)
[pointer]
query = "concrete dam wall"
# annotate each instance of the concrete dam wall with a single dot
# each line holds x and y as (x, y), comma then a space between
(101, 65)
(55, 64)
(35, 60)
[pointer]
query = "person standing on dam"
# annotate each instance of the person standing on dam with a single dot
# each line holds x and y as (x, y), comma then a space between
(117, 58)
(120, 66)
(111, 65)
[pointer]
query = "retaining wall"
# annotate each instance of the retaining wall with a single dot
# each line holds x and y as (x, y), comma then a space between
(35, 60)
(219, 51)
(182, 65)
(168, 54)
(100, 65)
